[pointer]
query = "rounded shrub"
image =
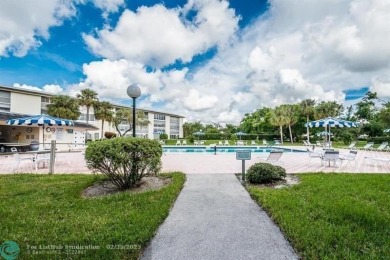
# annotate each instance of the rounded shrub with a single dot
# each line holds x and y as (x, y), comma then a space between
(265, 173)
(124, 160)
(163, 136)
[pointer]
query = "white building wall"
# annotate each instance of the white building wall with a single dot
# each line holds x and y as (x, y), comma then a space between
(151, 125)
(25, 104)
(181, 134)
(168, 126)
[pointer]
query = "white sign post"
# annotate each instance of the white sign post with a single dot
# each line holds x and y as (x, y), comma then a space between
(243, 155)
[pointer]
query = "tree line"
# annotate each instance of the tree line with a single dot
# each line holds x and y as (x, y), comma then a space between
(289, 119)
(63, 106)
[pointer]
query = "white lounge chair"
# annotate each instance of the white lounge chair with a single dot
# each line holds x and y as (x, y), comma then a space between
(178, 142)
(226, 142)
(253, 142)
(184, 142)
(273, 157)
(265, 142)
(220, 143)
(381, 147)
(352, 145)
(368, 146)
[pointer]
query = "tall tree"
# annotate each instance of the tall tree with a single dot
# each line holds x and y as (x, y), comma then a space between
(278, 119)
(104, 111)
(141, 119)
(191, 127)
(328, 108)
(64, 107)
(307, 108)
(87, 98)
(291, 116)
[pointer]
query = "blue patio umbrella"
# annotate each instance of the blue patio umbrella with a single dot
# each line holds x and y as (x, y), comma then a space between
(198, 133)
(240, 134)
(331, 122)
(41, 120)
(324, 133)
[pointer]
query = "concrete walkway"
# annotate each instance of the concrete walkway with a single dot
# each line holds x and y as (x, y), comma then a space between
(215, 218)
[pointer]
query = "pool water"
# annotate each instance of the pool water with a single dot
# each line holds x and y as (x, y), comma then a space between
(225, 149)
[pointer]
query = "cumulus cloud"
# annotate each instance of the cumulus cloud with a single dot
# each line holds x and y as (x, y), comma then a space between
(194, 101)
(296, 50)
(22, 26)
(158, 36)
(50, 88)
(108, 6)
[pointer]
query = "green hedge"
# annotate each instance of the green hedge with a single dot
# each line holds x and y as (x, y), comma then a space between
(219, 136)
(379, 139)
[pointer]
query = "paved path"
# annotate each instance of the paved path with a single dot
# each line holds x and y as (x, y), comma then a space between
(215, 218)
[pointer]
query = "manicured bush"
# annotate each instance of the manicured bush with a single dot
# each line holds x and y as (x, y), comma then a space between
(109, 135)
(163, 136)
(265, 173)
(379, 139)
(124, 160)
(346, 137)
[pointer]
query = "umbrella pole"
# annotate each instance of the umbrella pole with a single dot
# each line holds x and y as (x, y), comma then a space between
(43, 137)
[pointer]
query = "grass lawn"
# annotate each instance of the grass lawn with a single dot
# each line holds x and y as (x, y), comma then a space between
(333, 216)
(44, 210)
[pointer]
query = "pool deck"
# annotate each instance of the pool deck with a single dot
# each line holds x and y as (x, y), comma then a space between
(220, 163)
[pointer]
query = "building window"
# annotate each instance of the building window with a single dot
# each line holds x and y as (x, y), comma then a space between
(96, 136)
(46, 100)
(83, 117)
(159, 117)
(5, 101)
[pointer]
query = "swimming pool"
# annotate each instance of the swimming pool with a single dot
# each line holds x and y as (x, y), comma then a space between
(225, 149)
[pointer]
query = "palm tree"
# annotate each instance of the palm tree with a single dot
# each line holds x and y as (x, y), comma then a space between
(307, 108)
(87, 98)
(278, 119)
(291, 116)
(104, 112)
(64, 107)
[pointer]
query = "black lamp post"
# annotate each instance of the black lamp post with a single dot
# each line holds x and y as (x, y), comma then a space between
(134, 91)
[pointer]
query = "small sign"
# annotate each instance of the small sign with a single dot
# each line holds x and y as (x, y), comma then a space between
(69, 131)
(243, 154)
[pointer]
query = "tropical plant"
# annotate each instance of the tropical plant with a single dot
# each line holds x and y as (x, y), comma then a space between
(278, 119)
(328, 108)
(265, 173)
(104, 112)
(291, 116)
(307, 109)
(64, 107)
(125, 117)
(124, 160)
(87, 98)
(191, 127)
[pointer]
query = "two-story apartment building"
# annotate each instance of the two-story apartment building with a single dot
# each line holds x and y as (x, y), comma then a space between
(19, 102)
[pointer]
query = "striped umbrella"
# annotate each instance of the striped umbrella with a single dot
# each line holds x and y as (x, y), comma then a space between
(40, 120)
(331, 122)
(240, 134)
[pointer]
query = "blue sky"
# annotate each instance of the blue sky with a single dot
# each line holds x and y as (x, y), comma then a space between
(208, 60)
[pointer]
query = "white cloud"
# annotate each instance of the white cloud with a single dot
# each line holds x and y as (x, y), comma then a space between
(23, 25)
(297, 50)
(108, 6)
(159, 36)
(50, 88)
(194, 101)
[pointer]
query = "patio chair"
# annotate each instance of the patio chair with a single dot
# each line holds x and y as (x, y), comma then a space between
(265, 142)
(327, 145)
(178, 142)
(352, 145)
(277, 143)
(226, 142)
(368, 146)
(318, 144)
(313, 154)
(19, 158)
(41, 158)
(220, 143)
(184, 142)
(273, 157)
(350, 157)
(331, 156)
(253, 142)
(381, 147)
(201, 142)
